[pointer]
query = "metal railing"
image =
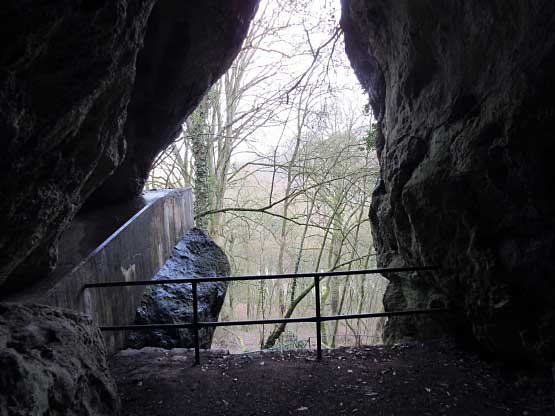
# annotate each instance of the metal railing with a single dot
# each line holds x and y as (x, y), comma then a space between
(317, 319)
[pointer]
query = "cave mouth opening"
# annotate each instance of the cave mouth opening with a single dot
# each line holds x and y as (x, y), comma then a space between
(92, 92)
(280, 154)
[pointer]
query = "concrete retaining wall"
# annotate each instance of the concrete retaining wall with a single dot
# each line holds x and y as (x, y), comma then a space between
(135, 251)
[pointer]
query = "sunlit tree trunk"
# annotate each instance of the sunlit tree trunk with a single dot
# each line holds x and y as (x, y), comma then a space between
(196, 130)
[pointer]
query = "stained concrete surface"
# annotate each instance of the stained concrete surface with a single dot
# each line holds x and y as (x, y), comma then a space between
(128, 241)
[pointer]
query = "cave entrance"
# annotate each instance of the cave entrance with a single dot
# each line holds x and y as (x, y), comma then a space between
(280, 154)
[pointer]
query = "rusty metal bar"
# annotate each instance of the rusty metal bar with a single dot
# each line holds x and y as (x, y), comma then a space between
(195, 324)
(257, 277)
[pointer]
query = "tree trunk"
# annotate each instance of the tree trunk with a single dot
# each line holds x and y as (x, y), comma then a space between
(201, 191)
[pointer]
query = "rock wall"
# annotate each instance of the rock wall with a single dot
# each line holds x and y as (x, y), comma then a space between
(52, 362)
(188, 46)
(196, 255)
(89, 88)
(66, 78)
(463, 93)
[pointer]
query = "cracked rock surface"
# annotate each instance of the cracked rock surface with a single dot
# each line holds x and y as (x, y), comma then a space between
(52, 362)
(195, 255)
(90, 92)
(463, 93)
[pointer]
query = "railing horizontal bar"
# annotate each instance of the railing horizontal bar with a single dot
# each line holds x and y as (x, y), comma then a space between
(206, 324)
(260, 277)
(269, 321)
(382, 314)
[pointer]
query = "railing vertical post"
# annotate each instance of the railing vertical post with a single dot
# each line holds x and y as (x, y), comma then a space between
(318, 315)
(195, 323)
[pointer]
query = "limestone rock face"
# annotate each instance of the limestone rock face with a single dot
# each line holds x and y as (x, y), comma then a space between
(67, 70)
(196, 255)
(463, 93)
(52, 362)
(188, 46)
(92, 87)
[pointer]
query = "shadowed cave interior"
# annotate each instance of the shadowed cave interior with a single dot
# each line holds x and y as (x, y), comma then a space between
(91, 92)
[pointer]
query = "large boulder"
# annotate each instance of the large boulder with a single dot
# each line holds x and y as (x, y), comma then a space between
(463, 92)
(52, 362)
(92, 87)
(196, 255)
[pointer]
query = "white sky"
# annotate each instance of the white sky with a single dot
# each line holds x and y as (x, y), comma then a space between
(286, 55)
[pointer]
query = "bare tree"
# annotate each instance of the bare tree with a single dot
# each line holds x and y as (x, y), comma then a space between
(280, 165)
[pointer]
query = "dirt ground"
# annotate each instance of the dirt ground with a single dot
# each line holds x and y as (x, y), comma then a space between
(414, 379)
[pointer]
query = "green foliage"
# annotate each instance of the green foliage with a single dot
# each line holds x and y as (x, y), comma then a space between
(370, 138)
